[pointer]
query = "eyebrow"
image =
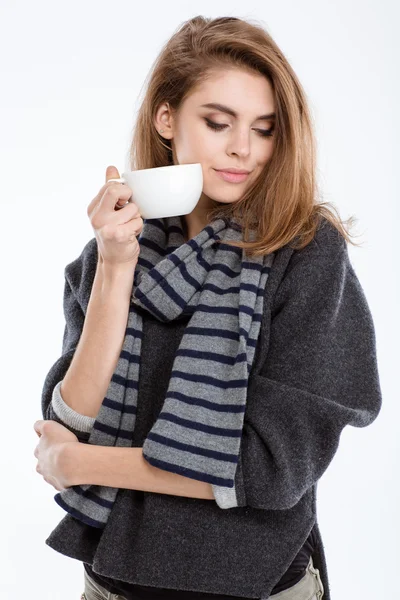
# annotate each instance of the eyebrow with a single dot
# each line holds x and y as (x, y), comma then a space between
(233, 113)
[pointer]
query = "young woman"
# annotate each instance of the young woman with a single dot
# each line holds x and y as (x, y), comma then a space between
(210, 361)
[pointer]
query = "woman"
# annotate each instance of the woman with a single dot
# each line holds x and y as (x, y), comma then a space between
(249, 345)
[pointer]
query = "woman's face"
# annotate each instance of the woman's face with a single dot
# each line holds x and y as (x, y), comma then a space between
(243, 140)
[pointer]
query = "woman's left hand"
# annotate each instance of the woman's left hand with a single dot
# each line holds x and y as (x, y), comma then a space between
(50, 452)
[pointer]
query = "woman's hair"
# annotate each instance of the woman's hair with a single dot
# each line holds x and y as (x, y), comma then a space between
(282, 205)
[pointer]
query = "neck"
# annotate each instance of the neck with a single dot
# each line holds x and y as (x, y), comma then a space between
(195, 221)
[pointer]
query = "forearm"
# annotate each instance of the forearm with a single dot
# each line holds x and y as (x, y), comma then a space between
(127, 468)
(86, 382)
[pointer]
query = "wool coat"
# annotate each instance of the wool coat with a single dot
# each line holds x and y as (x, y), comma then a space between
(314, 372)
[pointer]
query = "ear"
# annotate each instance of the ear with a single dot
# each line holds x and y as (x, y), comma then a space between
(164, 120)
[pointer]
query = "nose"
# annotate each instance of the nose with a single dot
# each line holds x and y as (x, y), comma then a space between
(239, 143)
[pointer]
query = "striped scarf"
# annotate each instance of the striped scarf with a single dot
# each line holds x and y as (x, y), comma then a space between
(198, 431)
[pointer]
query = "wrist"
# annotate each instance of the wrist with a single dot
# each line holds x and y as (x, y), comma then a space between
(111, 271)
(72, 462)
(117, 277)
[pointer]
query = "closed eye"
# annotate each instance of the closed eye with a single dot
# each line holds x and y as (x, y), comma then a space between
(220, 127)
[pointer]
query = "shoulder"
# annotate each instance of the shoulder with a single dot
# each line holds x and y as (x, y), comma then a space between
(313, 269)
(328, 247)
(327, 241)
(80, 272)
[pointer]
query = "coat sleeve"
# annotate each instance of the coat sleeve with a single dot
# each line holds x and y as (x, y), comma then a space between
(320, 374)
(79, 277)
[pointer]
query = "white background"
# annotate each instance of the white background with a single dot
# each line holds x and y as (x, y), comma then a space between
(71, 77)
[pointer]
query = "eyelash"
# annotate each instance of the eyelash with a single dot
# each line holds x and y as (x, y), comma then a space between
(220, 127)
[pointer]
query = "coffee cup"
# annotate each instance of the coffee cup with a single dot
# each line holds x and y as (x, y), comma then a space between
(168, 191)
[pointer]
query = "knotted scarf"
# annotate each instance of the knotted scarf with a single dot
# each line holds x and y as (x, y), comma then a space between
(198, 431)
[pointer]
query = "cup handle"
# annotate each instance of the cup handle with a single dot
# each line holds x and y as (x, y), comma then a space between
(120, 180)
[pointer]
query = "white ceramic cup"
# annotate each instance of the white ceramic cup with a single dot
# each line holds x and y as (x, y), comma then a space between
(168, 191)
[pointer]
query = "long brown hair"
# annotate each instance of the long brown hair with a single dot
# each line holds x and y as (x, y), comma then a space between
(283, 205)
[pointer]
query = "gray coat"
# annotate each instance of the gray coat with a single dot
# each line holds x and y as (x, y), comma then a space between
(314, 372)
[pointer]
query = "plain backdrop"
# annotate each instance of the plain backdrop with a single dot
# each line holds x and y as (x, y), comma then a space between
(71, 83)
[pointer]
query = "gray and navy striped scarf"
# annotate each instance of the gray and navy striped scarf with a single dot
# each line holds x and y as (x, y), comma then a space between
(198, 431)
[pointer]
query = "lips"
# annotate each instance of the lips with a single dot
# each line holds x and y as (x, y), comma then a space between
(234, 170)
(232, 177)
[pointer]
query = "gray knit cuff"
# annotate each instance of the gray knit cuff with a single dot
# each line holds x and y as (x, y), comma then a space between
(225, 497)
(68, 415)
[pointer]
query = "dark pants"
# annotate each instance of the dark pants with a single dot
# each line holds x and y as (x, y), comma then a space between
(308, 588)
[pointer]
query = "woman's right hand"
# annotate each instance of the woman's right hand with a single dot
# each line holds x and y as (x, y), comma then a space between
(115, 222)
